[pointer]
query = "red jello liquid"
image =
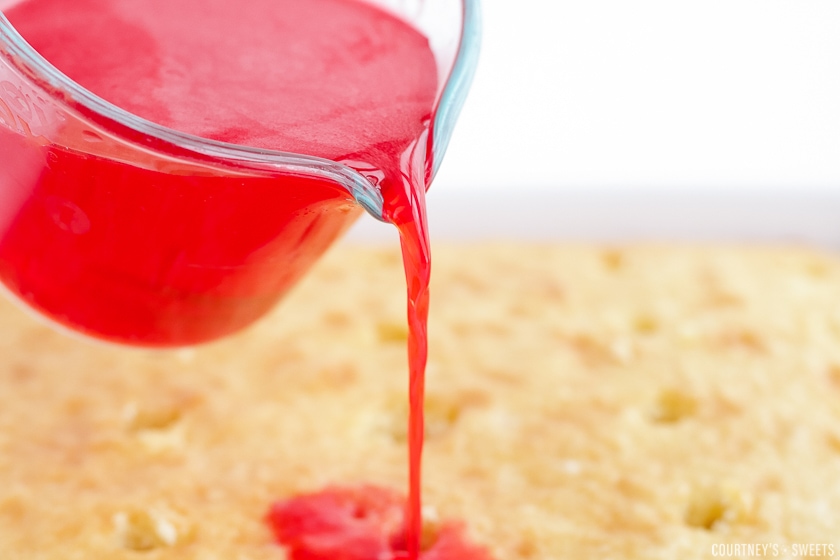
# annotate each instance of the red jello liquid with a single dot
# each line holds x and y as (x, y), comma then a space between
(159, 254)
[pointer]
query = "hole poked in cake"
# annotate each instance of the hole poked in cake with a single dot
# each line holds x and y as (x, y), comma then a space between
(712, 507)
(141, 529)
(159, 412)
(431, 528)
(440, 416)
(673, 405)
(613, 259)
(157, 422)
(819, 268)
(646, 324)
(388, 332)
(717, 291)
(337, 319)
(527, 545)
(833, 376)
(20, 373)
(739, 338)
(832, 440)
(152, 416)
(598, 350)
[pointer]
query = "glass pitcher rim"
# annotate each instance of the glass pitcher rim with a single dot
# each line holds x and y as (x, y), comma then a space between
(25, 58)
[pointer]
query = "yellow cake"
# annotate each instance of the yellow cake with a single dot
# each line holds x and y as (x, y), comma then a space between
(583, 402)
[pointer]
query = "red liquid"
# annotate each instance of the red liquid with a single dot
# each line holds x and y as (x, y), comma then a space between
(359, 524)
(161, 255)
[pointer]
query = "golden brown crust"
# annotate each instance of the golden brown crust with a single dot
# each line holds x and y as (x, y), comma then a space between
(584, 402)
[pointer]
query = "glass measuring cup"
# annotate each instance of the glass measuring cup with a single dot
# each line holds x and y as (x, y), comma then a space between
(131, 232)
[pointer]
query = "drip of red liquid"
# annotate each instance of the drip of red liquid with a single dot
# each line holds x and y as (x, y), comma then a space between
(156, 256)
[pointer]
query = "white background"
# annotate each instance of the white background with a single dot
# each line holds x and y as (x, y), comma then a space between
(665, 94)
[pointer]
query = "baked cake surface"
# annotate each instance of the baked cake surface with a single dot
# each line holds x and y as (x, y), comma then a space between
(583, 402)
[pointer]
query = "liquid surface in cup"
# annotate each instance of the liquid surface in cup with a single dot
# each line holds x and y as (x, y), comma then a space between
(166, 256)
